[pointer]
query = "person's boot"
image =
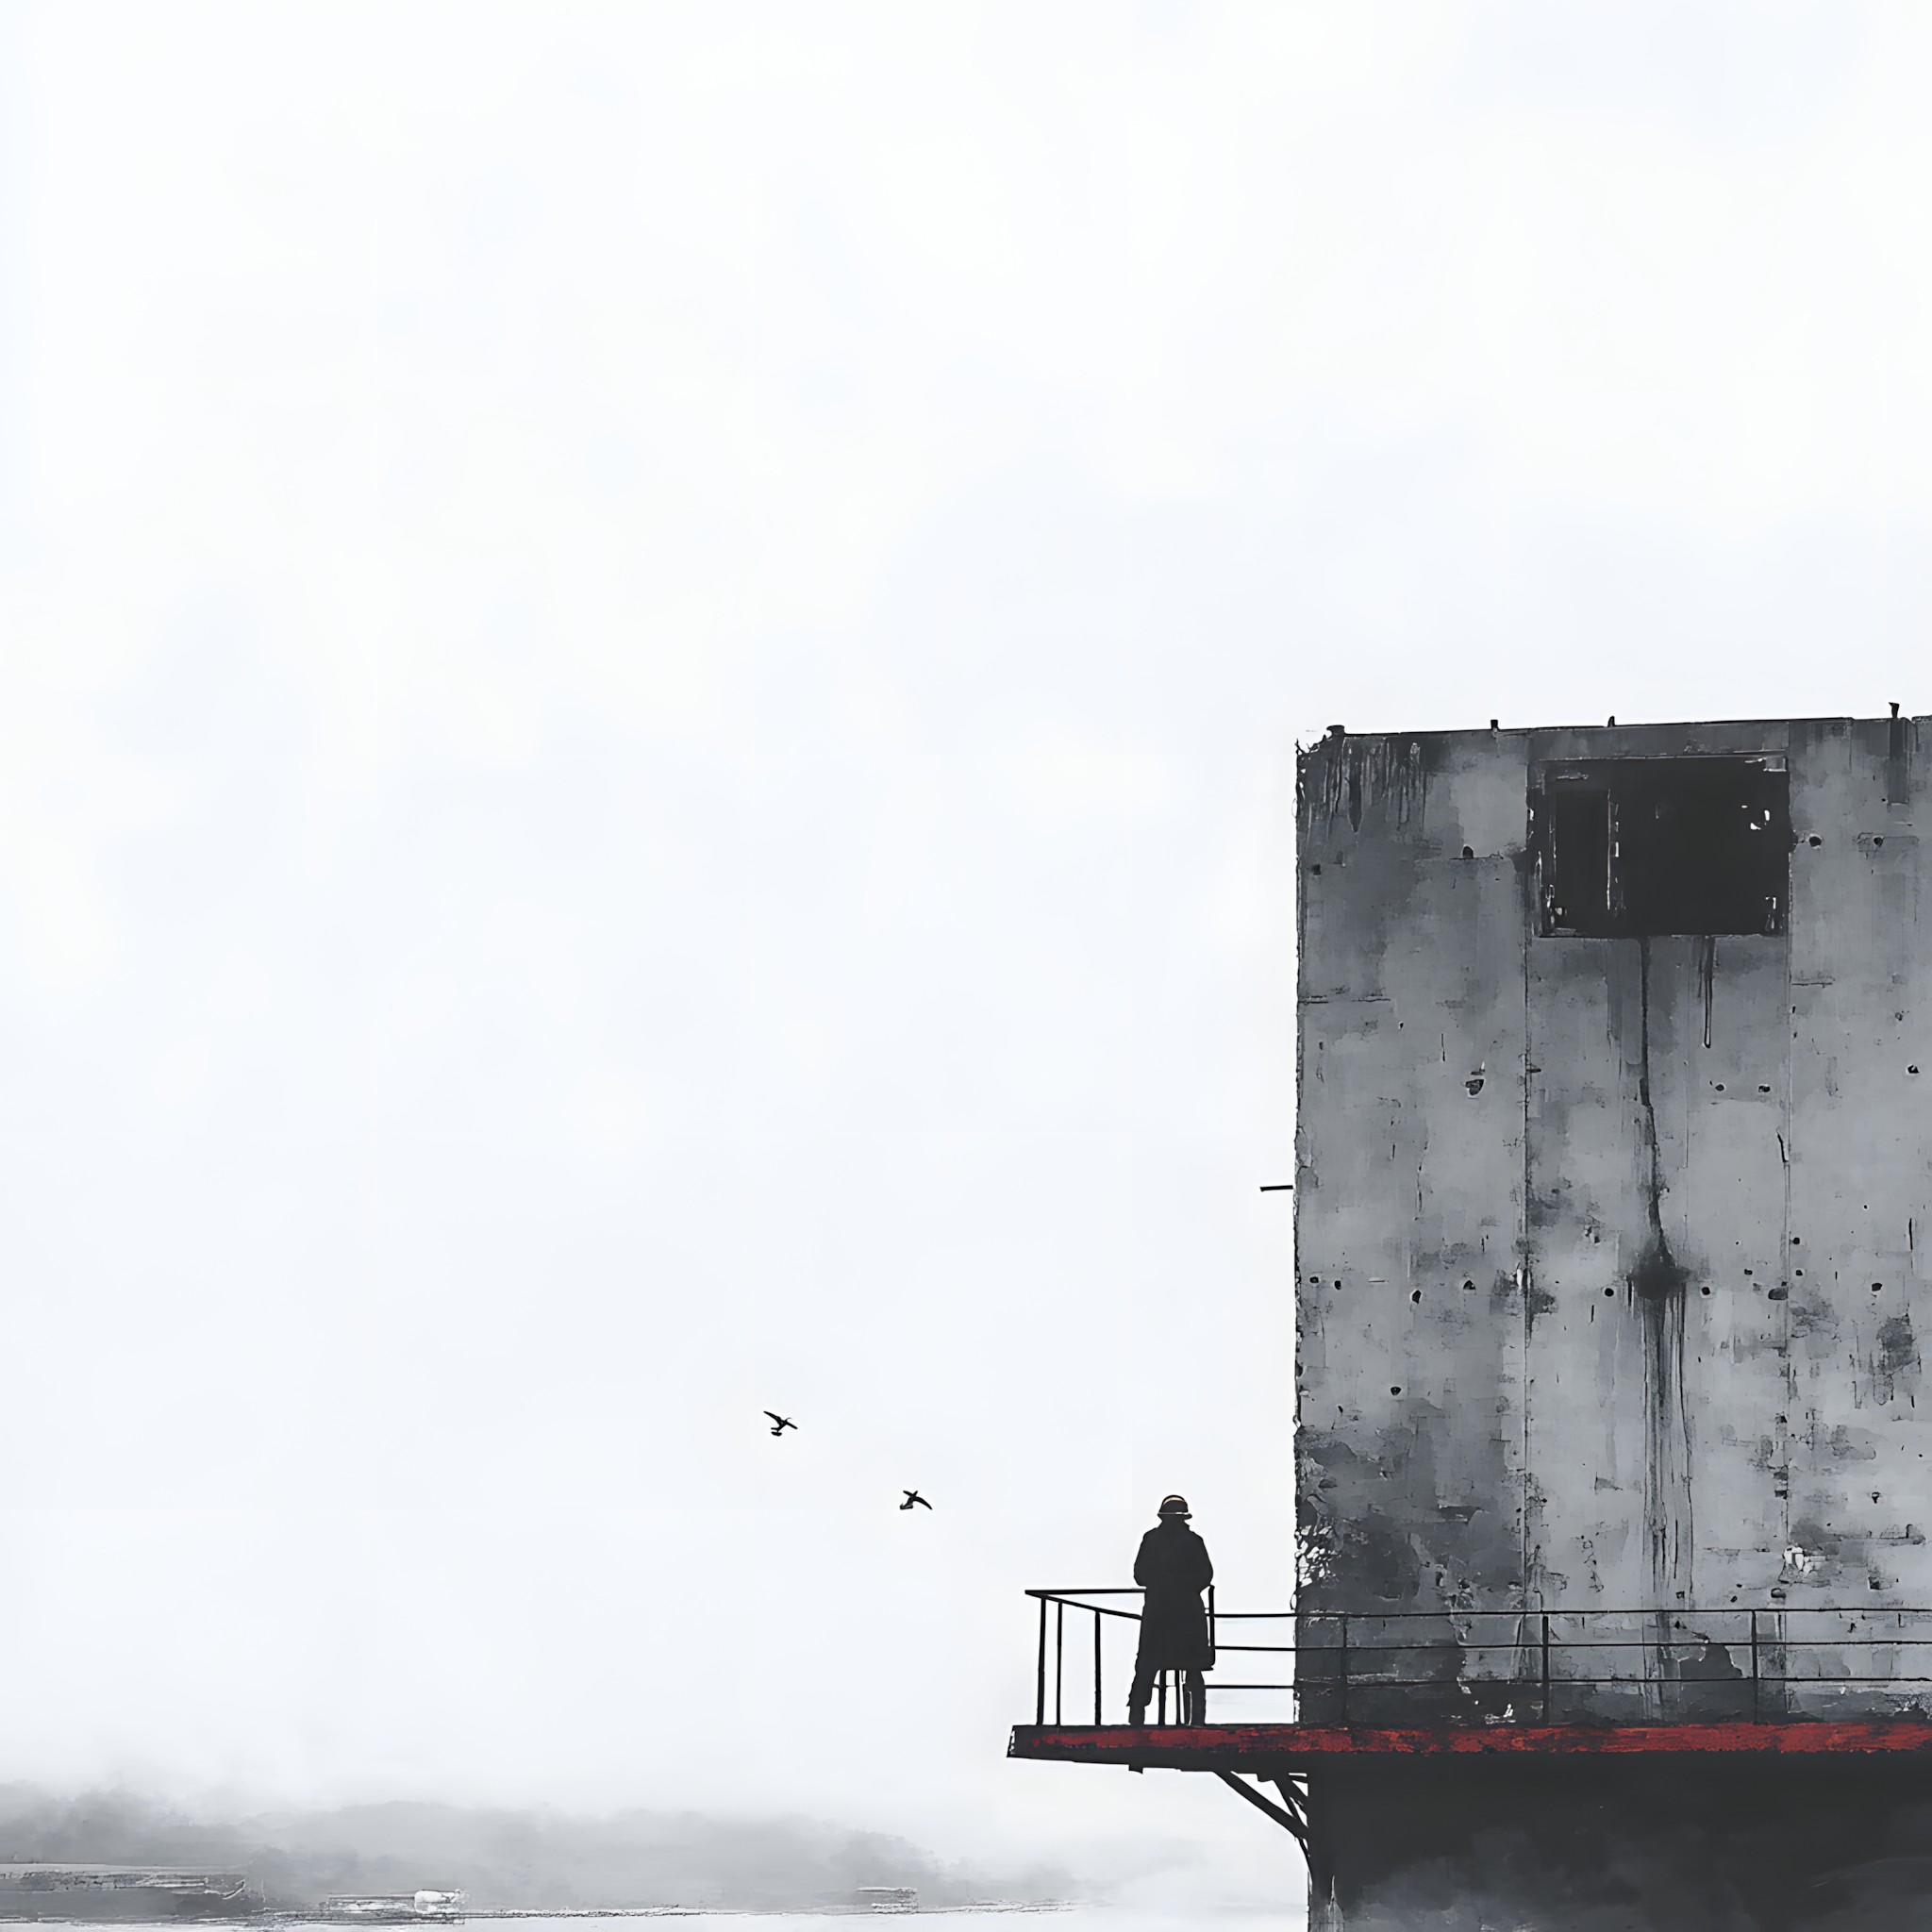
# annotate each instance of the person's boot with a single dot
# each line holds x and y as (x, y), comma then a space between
(1137, 1713)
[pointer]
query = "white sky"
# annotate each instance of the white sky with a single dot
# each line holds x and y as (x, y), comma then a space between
(648, 665)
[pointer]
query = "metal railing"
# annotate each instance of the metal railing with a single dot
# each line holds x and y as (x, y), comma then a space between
(1762, 1664)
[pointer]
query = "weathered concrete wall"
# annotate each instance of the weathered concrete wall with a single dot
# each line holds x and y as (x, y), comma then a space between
(1609, 1250)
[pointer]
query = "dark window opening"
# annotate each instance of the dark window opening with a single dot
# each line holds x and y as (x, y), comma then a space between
(1627, 846)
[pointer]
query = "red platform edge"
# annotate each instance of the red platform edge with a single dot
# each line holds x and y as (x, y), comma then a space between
(1226, 1747)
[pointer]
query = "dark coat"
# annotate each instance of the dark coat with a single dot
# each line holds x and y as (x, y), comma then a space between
(1173, 1570)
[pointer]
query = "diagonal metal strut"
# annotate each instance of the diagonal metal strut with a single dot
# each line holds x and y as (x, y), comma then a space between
(1288, 1814)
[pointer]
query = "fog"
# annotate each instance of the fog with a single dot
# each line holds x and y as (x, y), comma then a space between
(523, 1860)
(649, 662)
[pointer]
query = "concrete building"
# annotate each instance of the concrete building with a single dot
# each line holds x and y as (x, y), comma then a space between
(1614, 1183)
(1615, 1164)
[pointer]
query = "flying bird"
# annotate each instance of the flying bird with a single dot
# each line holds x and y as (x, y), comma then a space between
(781, 1422)
(913, 1496)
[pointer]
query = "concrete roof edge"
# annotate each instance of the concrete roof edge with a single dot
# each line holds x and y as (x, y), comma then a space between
(1621, 726)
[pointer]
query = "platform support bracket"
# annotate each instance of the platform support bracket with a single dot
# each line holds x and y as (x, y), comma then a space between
(1289, 1814)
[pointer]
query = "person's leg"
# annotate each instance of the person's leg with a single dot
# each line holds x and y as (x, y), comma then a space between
(1196, 1712)
(1142, 1690)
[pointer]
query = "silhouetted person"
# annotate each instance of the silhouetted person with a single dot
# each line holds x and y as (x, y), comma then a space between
(1173, 1569)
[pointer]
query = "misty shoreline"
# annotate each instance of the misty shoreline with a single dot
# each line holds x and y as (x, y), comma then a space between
(517, 1863)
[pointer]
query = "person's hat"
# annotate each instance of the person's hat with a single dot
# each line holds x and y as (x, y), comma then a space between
(1174, 1506)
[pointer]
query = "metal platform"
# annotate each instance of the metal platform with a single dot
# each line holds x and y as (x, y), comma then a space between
(1744, 1704)
(1270, 1749)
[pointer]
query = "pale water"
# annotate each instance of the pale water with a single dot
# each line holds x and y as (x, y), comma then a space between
(1083, 1918)
(1057, 1919)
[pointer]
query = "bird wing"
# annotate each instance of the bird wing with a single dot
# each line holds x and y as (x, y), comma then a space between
(776, 1417)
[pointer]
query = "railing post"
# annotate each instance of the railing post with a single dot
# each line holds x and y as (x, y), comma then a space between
(1096, 1668)
(1040, 1671)
(1343, 1666)
(1546, 1666)
(1754, 1707)
(1059, 1666)
(1214, 1649)
(1160, 1698)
